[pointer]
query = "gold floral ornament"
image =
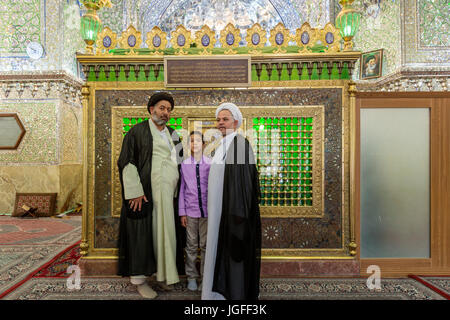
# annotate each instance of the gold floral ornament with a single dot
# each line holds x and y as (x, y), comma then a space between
(106, 40)
(256, 38)
(205, 38)
(130, 39)
(305, 37)
(181, 39)
(331, 38)
(230, 37)
(156, 40)
(280, 37)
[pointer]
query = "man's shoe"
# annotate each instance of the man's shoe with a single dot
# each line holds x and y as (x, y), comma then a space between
(146, 291)
(192, 285)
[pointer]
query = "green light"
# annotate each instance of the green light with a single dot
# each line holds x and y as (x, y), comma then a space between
(347, 21)
(90, 25)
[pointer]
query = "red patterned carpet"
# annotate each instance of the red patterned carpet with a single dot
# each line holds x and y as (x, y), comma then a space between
(439, 284)
(57, 267)
(41, 246)
(15, 231)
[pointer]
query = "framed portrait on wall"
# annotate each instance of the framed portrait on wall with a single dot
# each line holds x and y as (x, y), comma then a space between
(371, 64)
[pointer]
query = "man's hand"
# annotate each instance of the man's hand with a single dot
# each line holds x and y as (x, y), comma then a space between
(136, 203)
(183, 221)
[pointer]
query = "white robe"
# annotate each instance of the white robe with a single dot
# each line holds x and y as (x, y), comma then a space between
(215, 195)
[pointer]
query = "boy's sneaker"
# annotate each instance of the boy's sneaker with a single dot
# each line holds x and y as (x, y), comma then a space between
(192, 285)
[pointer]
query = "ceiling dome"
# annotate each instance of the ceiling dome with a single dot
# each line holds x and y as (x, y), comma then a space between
(193, 14)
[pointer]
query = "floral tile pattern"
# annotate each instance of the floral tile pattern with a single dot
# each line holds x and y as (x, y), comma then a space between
(39, 144)
(20, 22)
(434, 23)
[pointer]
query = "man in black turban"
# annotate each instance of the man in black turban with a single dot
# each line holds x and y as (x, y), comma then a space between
(150, 235)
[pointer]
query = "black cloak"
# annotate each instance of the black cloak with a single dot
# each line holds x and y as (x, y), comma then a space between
(136, 254)
(238, 258)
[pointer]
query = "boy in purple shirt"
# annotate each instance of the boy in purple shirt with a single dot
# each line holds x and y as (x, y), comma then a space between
(193, 205)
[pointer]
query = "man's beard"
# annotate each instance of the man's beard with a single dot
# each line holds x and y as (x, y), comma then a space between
(158, 120)
(227, 131)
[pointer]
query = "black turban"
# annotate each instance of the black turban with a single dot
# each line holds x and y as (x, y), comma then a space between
(156, 97)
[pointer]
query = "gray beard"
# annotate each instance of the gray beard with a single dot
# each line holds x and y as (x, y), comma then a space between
(158, 120)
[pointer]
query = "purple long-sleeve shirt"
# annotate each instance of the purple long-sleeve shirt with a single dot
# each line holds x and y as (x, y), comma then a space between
(194, 187)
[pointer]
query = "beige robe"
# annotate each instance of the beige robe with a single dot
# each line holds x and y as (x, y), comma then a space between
(164, 184)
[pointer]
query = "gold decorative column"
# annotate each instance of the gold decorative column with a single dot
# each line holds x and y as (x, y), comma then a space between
(84, 246)
(352, 90)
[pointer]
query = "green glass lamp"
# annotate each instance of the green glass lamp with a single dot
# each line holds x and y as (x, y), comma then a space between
(91, 23)
(347, 21)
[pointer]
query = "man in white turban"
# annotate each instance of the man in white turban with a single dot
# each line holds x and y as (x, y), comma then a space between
(233, 245)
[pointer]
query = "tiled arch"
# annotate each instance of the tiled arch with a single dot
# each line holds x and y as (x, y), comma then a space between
(153, 12)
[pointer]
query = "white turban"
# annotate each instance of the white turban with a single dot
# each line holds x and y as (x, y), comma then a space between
(237, 115)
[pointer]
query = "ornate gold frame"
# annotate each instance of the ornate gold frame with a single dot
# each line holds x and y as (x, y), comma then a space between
(156, 31)
(256, 28)
(280, 28)
(207, 84)
(22, 131)
(191, 113)
(335, 46)
(205, 31)
(316, 35)
(123, 41)
(317, 112)
(312, 33)
(347, 250)
(230, 28)
(180, 30)
(101, 49)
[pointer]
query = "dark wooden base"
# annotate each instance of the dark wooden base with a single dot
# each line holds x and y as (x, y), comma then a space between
(310, 268)
(98, 267)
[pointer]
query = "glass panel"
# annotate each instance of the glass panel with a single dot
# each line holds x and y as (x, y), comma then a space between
(395, 183)
(278, 161)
